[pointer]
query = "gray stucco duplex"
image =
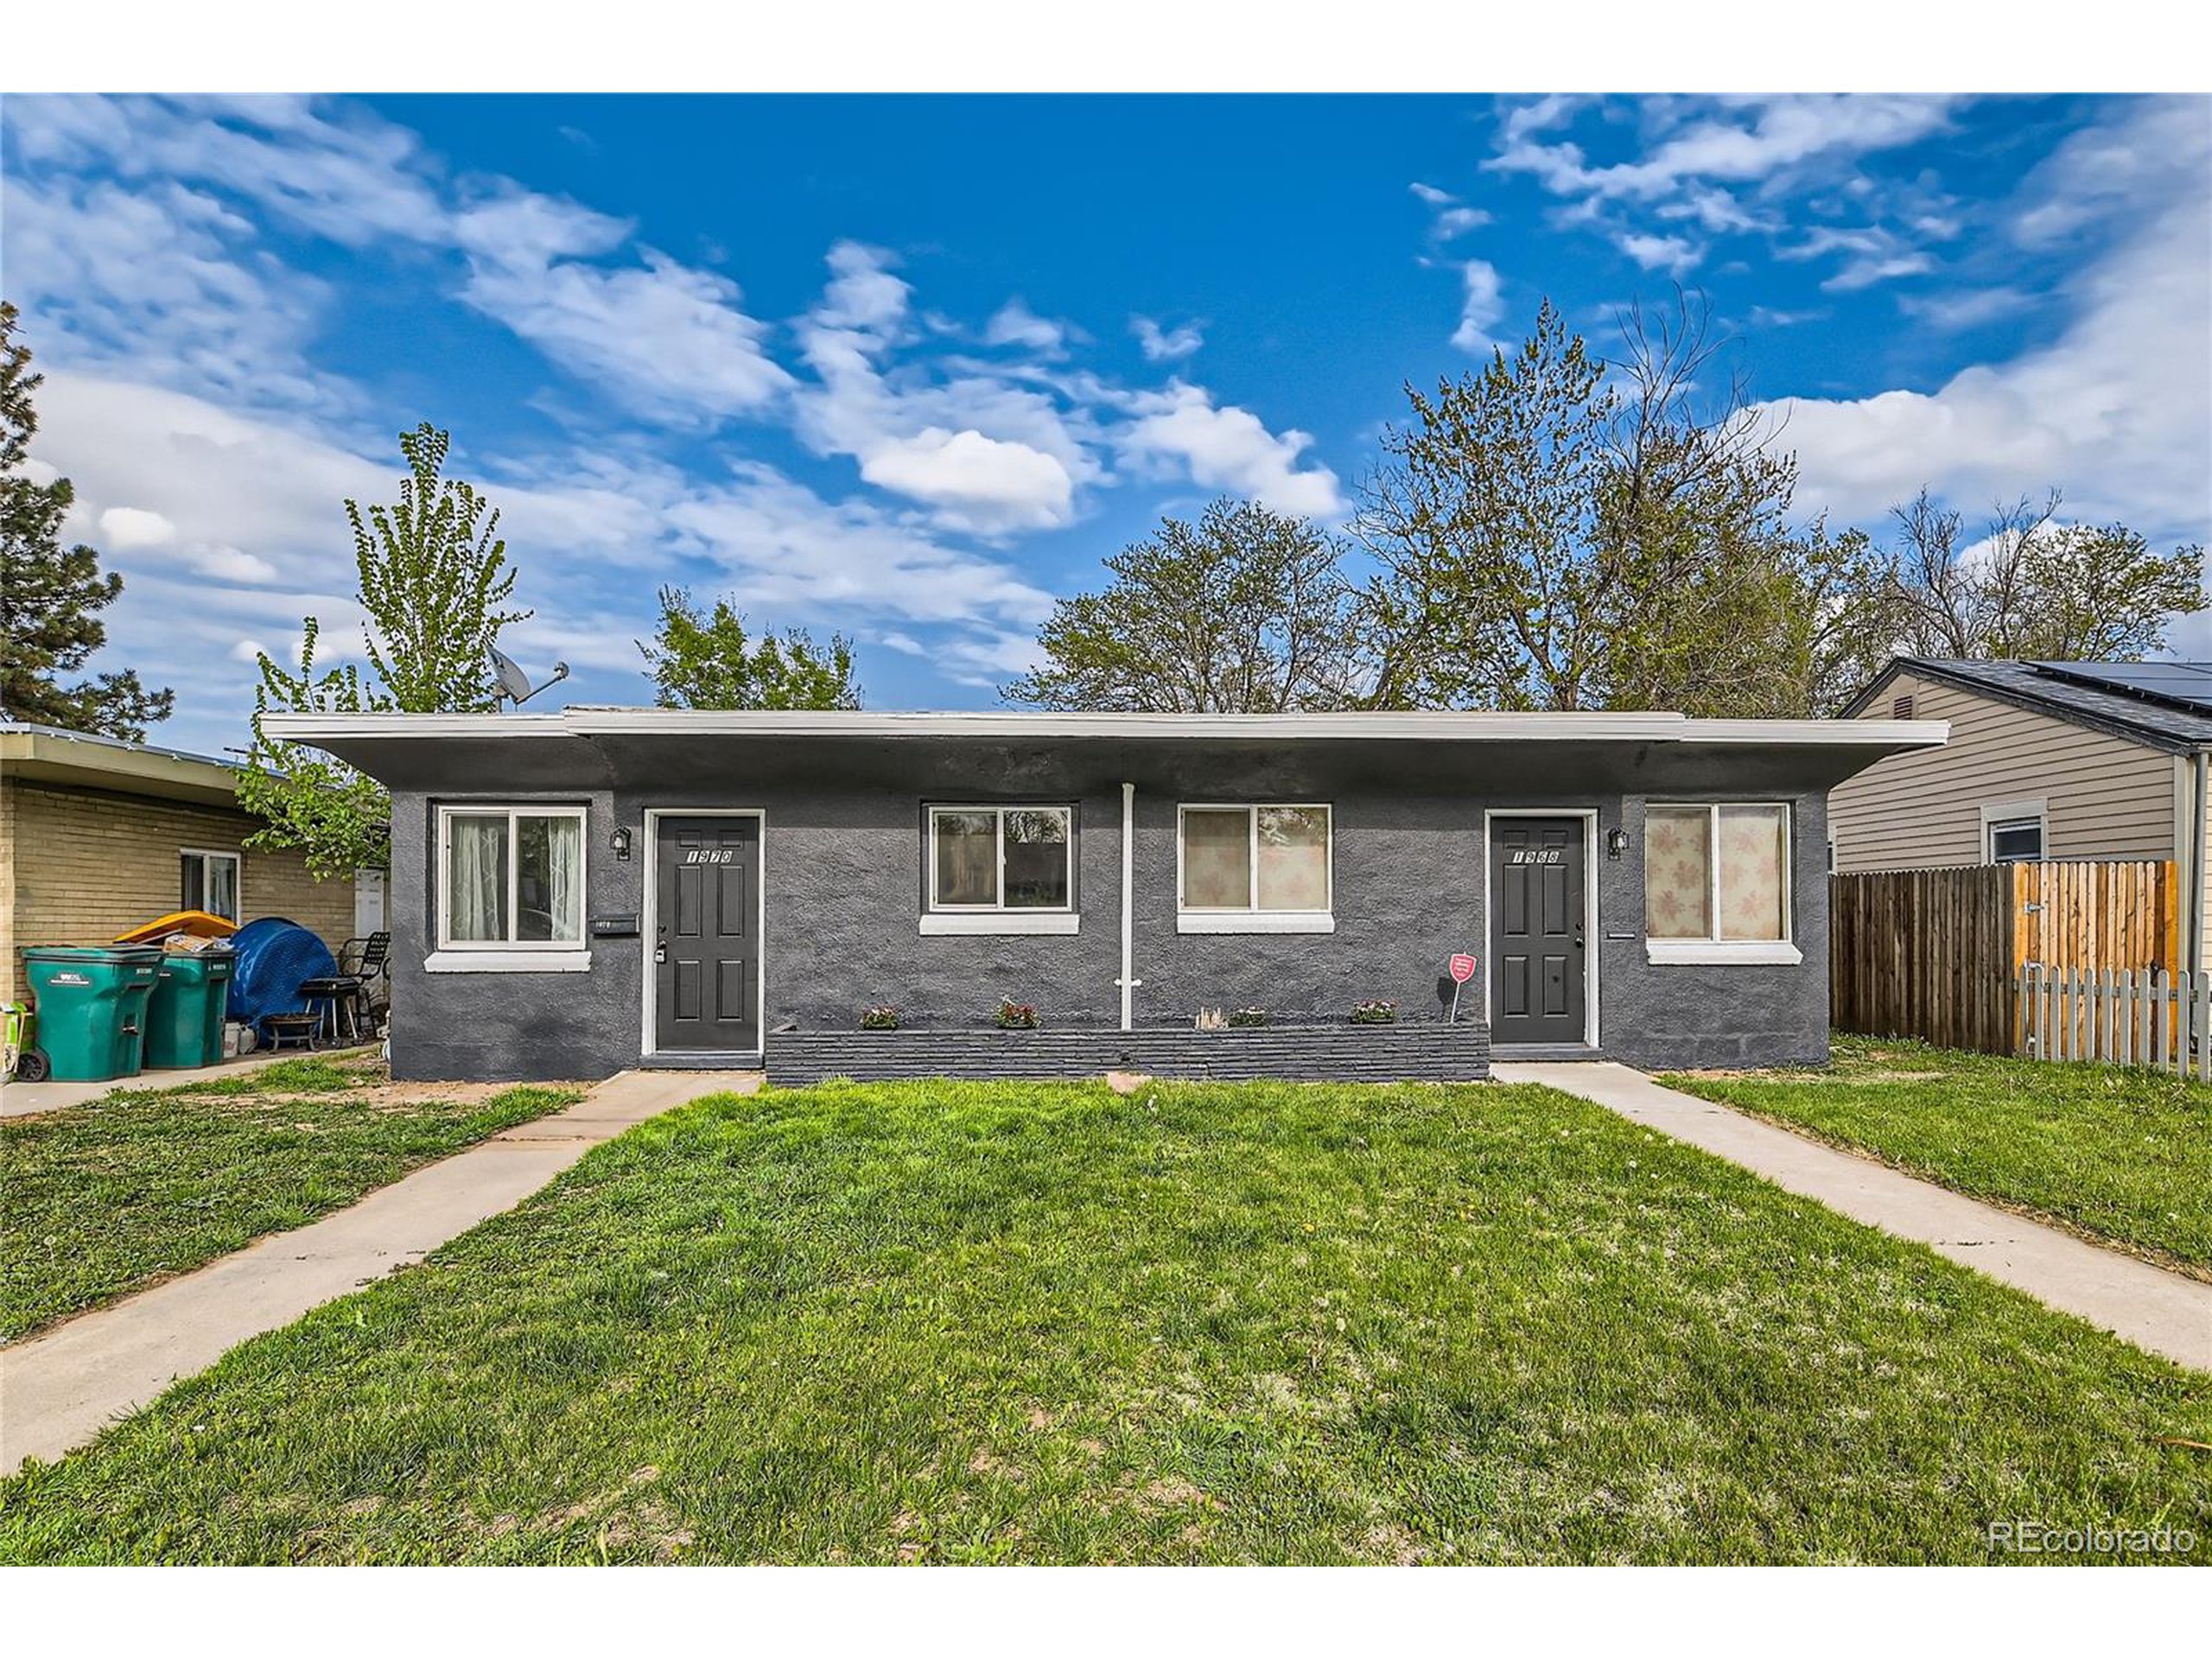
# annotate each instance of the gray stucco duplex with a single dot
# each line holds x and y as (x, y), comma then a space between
(844, 801)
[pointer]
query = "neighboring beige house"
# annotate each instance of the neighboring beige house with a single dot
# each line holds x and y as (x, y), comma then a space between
(98, 835)
(2051, 760)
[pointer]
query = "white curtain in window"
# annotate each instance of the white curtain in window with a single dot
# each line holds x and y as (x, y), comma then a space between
(564, 848)
(223, 888)
(476, 880)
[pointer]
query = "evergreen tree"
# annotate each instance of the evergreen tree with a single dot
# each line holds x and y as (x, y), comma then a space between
(50, 597)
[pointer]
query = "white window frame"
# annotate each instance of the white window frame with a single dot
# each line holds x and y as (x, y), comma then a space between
(512, 956)
(998, 918)
(1249, 918)
(2010, 815)
(205, 855)
(1714, 949)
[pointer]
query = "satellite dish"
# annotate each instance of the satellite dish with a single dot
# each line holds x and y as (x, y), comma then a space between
(514, 685)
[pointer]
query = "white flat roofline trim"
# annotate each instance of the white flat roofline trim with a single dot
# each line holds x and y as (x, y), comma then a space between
(507, 962)
(1008, 922)
(1433, 726)
(1722, 952)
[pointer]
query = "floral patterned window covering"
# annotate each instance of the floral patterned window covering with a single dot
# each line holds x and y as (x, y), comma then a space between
(1732, 858)
(1255, 858)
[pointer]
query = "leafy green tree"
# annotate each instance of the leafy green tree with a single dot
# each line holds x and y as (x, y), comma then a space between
(1247, 611)
(433, 575)
(1555, 531)
(2028, 584)
(705, 660)
(50, 598)
(339, 818)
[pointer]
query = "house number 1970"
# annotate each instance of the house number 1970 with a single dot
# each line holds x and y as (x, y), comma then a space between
(711, 855)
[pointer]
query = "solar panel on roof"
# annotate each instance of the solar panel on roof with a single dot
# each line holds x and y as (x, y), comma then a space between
(2182, 685)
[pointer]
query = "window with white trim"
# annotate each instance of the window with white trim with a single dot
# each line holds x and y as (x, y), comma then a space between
(511, 878)
(1717, 873)
(987, 860)
(1254, 861)
(208, 881)
(2015, 841)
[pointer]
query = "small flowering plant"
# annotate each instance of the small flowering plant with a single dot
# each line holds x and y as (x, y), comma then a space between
(885, 1018)
(1248, 1017)
(1016, 1016)
(1375, 1014)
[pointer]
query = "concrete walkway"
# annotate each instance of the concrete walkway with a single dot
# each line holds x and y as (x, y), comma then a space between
(2162, 1311)
(60, 1390)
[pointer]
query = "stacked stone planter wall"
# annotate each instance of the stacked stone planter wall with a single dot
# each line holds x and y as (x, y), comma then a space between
(1339, 1053)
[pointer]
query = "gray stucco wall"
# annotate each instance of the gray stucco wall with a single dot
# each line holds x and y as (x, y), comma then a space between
(842, 882)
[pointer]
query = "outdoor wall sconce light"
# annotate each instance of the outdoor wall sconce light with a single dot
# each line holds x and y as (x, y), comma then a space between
(621, 841)
(1616, 843)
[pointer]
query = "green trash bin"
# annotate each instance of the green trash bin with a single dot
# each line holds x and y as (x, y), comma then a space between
(92, 1007)
(184, 1013)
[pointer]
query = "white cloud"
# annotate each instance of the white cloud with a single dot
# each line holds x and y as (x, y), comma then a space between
(125, 528)
(1480, 307)
(776, 542)
(667, 339)
(1005, 484)
(155, 278)
(1723, 164)
(862, 295)
(1166, 344)
(1455, 222)
(983, 452)
(1870, 269)
(2115, 410)
(1741, 141)
(1229, 448)
(1015, 324)
(1450, 217)
(1966, 307)
(1669, 253)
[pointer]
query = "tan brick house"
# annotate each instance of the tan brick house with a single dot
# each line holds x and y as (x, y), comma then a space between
(98, 835)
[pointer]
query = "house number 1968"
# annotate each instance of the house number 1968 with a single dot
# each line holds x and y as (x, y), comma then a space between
(1540, 855)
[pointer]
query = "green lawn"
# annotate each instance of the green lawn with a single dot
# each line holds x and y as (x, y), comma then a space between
(101, 1199)
(1205, 1323)
(2122, 1153)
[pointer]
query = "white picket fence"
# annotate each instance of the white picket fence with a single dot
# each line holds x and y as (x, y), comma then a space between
(2145, 1017)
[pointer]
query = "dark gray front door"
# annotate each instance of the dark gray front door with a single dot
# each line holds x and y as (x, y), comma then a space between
(1536, 954)
(706, 934)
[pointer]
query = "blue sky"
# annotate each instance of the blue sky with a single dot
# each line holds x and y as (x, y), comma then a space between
(909, 367)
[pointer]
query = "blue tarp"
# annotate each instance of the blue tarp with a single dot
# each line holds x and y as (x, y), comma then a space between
(272, 959)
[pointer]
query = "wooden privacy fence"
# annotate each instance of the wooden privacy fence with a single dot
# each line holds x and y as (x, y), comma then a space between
(2139, 1017)
(1943, 954)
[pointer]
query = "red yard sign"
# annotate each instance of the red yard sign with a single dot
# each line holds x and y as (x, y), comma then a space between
(1463, 969)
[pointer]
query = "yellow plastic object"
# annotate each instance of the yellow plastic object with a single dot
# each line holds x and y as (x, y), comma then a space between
(199, 923)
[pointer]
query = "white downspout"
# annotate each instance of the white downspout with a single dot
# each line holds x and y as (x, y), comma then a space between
(1128, 981)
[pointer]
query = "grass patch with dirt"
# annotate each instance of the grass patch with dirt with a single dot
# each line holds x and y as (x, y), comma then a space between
(2120, 1153)
(947, 1322)
(101, 1200)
